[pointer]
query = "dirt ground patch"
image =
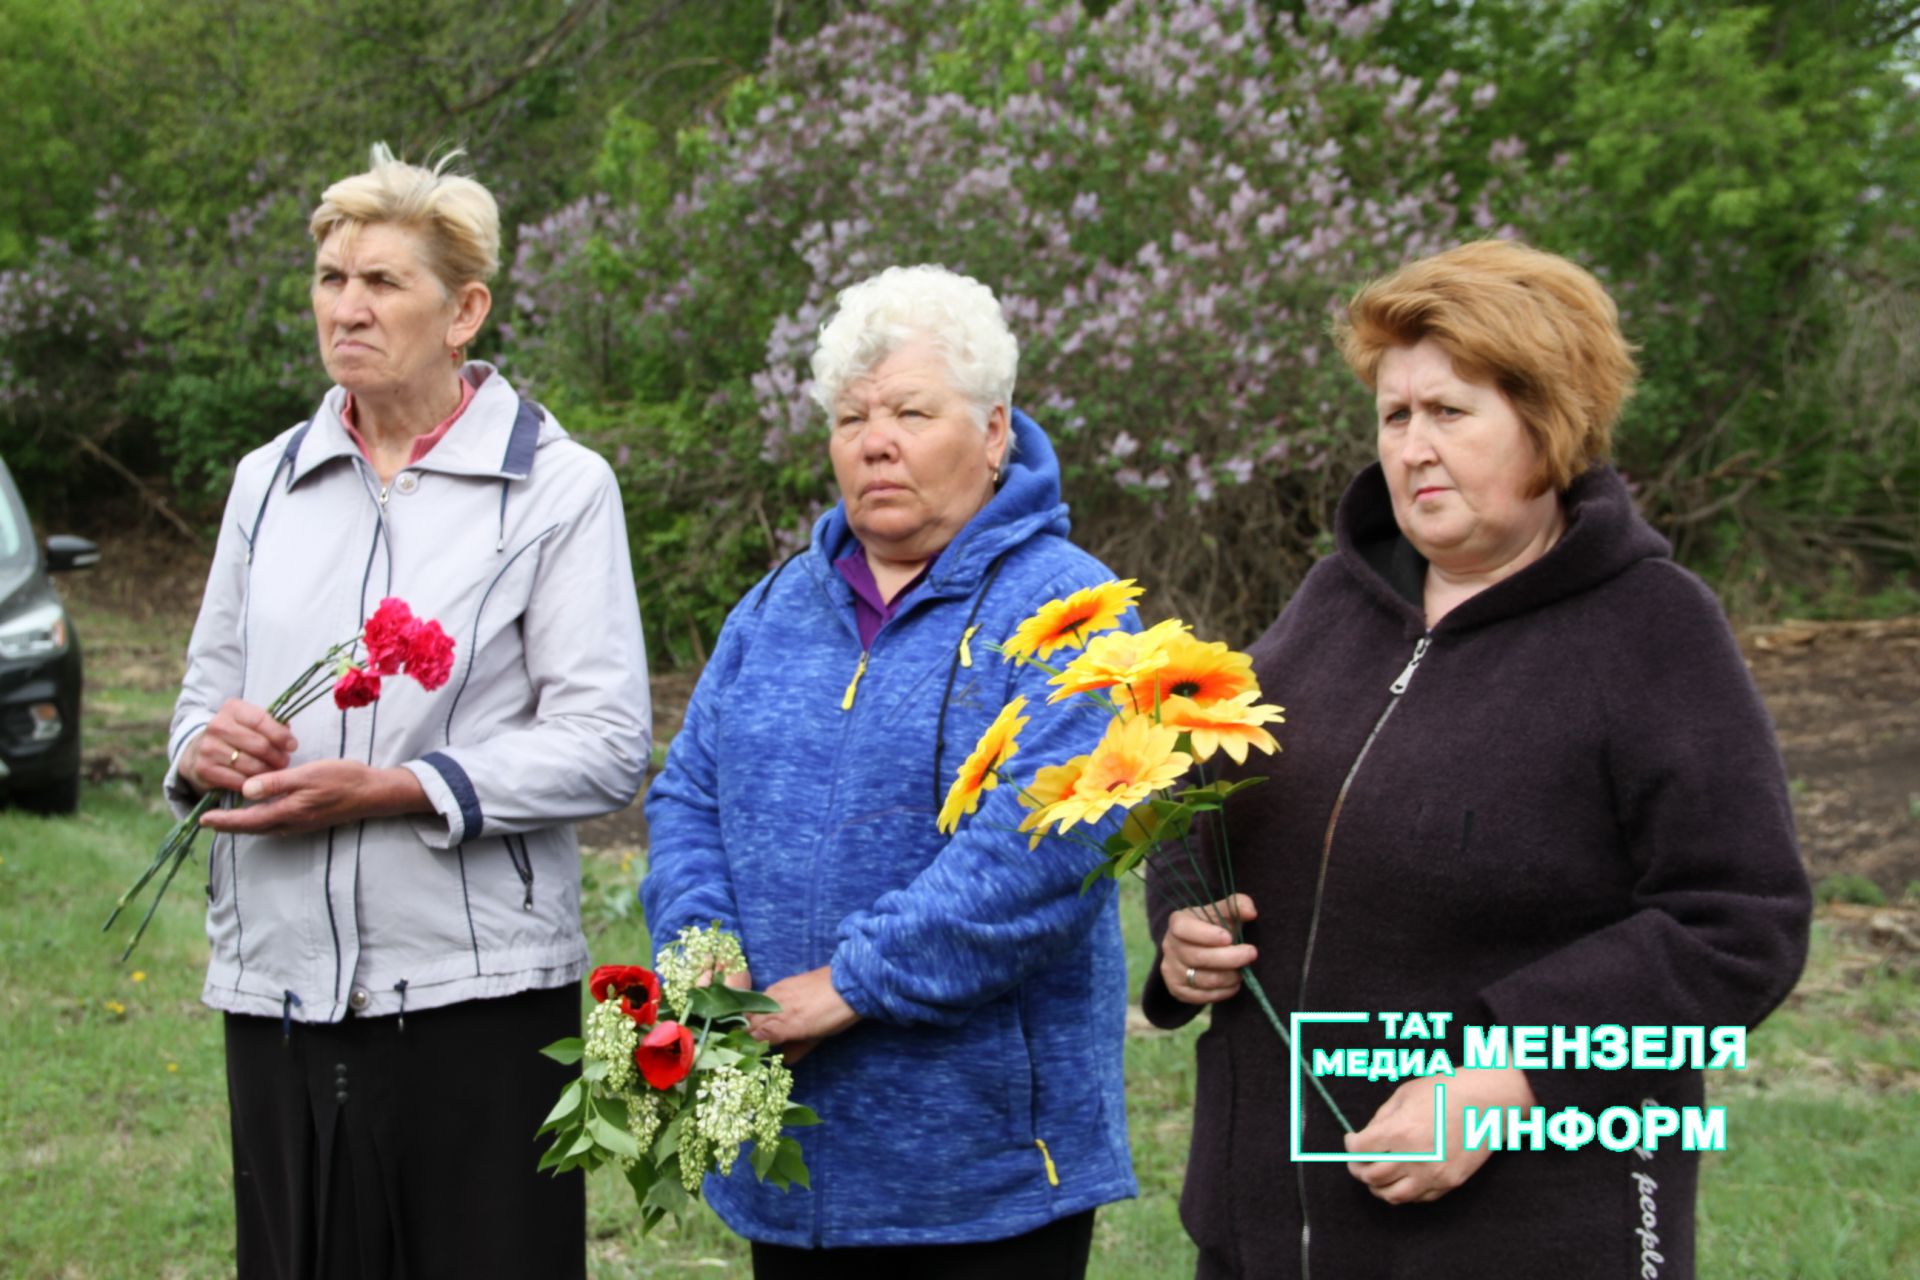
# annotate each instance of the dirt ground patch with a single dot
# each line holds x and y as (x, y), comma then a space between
(1845, 697)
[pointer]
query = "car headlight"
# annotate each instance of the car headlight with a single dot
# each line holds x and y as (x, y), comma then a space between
(39, 632)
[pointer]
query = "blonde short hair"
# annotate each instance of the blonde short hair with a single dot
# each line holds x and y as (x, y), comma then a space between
(1533, 324)
(456, 217)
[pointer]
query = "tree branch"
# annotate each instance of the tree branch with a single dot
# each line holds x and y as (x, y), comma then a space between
(147, 495)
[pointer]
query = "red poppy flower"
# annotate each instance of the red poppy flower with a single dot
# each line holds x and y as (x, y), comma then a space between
(665, 1056)
(648, 988)
(614, 979)
(386, 636)
(429, 654)
(356, 688)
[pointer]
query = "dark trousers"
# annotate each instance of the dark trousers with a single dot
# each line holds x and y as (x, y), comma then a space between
(370, 1151)
(1057, 1251)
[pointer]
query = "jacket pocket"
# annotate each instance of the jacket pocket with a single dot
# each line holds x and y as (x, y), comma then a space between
(1023, 1086)
(522, 867)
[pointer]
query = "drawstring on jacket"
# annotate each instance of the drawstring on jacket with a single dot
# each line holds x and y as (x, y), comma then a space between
(287, 1001)
(961, 656)
(401, 987)
(775, 576)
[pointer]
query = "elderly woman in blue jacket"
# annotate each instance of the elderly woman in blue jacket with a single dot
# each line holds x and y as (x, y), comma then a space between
(955, 1005)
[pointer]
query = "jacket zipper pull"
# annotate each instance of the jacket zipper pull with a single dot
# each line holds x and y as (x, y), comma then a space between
(1053, 1174)
(1419, 652)
(966, 653)
(846, 700)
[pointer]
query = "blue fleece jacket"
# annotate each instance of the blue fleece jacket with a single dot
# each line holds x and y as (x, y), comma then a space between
(980, 1095)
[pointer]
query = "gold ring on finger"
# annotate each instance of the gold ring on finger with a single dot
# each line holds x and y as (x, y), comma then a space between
(234, 758)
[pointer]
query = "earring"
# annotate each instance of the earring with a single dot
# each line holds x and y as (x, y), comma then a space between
(996, 473)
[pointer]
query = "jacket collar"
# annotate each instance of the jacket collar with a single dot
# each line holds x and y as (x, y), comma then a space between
(1605, 536)
(493, 439)
(1026, 505)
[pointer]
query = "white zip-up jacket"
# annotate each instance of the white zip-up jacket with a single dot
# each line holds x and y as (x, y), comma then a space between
(512, 536)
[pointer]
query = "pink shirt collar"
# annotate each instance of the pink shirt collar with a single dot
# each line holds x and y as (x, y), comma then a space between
(422, 445)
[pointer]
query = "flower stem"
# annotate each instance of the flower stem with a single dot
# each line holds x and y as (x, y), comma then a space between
(1266, 1007)
(177, 842)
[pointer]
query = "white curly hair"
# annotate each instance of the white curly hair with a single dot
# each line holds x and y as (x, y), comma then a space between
(901, 306)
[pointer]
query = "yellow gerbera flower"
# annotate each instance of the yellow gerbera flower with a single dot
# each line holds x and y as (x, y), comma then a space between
(1117, 658)
(1070, 622)
(1052, 784)
(1232, 724)
(1135, 759)
(1205, 671)
(978, 772)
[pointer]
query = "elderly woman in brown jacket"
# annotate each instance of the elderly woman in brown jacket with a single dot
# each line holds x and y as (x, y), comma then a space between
(1529, 783)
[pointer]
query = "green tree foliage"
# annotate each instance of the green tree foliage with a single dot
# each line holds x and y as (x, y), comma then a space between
(152, 224)
(1745, 178)
(1169, 195)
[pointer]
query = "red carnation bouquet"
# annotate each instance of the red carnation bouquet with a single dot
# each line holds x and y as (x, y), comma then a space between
(395, 642)
(672, 1086)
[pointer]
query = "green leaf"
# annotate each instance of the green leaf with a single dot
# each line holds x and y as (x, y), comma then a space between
(717, 1054)
(788, 1163)
(570, 1099)
(1133, 859)
(799, 1116)
(666, 1194)
(755, 1002)
(566, 1052)
(618, 1141)
(557, 1152)
(763, 1157)
(1213, 795)
(713, 1002)
(595, 1070)
(582, 1144)
(640, 1176)
(667, 1143)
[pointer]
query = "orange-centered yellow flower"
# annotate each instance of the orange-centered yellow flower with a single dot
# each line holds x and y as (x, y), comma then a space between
(1052, 784)
(1117, 658)
(1135, 759)
(1071, 622)
(1231, 725)
(978, 773)
(1205, 671)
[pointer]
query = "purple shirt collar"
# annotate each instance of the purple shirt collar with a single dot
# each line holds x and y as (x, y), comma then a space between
(871, 610)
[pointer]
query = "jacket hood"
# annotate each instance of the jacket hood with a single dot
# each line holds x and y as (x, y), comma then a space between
(1605, 537)
(1026, 505)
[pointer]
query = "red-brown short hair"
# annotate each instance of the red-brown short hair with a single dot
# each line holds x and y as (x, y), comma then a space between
(1531, 323)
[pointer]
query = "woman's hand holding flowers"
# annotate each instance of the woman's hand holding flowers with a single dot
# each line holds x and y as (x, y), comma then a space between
(240, 741)
(1405, 1123)
(319, 794)
(810, 1010)
(1199, 960)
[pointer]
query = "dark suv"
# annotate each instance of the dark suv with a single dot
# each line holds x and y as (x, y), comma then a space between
(39, 663)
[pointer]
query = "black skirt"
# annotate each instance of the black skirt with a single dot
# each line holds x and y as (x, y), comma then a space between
(381, 1151)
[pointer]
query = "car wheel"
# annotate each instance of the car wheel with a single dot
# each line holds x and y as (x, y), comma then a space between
(56, 797)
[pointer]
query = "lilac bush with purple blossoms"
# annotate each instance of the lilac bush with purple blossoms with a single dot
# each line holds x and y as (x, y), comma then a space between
(204, 333)
(1169, 199)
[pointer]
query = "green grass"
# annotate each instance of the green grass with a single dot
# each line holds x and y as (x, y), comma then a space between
(113, 1136)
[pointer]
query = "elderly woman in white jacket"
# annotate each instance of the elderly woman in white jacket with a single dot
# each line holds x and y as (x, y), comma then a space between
(394, 910)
